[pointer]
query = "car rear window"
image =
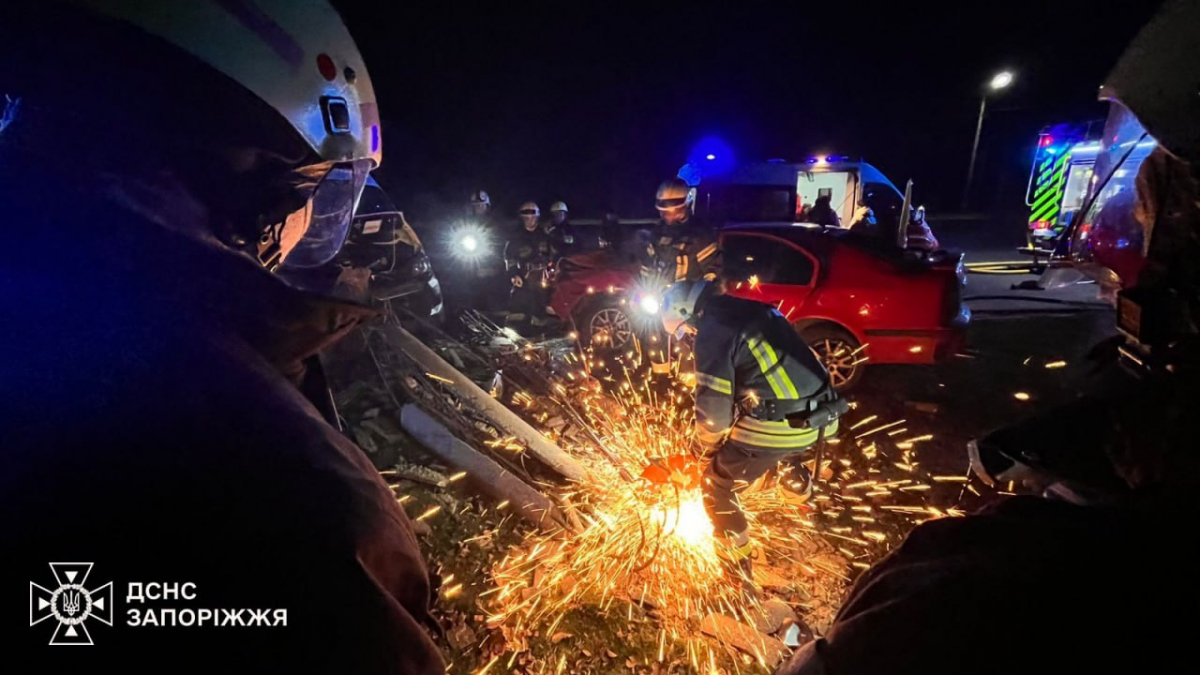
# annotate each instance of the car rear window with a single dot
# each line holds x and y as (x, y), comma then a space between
(771, 261)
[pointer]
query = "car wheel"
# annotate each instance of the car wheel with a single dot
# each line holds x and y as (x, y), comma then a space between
(605, 326)
(839, 351)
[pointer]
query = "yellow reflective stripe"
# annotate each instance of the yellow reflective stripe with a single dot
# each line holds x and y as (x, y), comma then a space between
(776, 435)
(781, 427)
(742, 552)
(771, 427)
(765, 366)
(785, 382)
(746, 437)
(766, 434)
(717, 384)
(681, 267)
(706, 252)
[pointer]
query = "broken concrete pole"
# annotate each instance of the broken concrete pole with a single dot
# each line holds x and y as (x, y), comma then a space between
(506, 420)
(489, 477)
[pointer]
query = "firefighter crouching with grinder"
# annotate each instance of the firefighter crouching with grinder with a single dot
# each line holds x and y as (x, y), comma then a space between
(763, 402)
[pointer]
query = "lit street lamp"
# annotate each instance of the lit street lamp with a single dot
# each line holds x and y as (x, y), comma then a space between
(1000, 80)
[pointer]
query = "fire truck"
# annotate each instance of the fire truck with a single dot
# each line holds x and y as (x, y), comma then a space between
(1058, 181)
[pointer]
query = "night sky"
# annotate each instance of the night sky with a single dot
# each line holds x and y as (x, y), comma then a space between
(596, 103)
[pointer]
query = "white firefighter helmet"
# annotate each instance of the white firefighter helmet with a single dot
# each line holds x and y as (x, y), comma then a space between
(679, 306)
(1157, 76)
(299, 60)
(481, 197)
(529, 209)
(297, 56)
(673, 194)
(558, 206)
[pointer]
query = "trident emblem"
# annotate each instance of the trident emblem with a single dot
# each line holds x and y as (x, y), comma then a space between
(71, 603)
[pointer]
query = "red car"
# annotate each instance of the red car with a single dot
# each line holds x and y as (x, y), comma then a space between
(854, 299)
(593, 291)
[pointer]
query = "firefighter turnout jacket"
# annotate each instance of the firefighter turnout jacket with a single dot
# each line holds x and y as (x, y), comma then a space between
(747, 355)
(683, 252)
(527, 252)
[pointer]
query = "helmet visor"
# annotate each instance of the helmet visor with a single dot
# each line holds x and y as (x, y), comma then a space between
(314, 234)
(668, 204)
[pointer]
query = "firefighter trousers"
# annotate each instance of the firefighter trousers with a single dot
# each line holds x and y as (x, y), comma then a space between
(734, 467)
(527, 308)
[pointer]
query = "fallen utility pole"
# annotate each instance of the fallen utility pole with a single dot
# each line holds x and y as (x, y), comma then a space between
(504, 419)
(486, 475)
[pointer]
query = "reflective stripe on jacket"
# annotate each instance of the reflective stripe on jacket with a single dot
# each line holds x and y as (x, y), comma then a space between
(747, 351)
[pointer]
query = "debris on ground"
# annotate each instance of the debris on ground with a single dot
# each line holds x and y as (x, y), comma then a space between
(629, 577)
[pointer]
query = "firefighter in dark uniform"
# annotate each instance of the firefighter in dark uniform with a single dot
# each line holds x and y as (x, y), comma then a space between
(486, 290)
(682, 246)
(753, 372)
(527, 256)
(561, 232)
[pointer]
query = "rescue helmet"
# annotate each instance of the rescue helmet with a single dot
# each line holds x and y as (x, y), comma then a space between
(529, 213)
(309, 69)
(673, 194)
(679, 306)
(481, 197)
(268, 118)
(559, 206)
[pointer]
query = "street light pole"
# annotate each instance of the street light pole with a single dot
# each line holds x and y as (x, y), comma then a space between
(999, 81)
(974, 151)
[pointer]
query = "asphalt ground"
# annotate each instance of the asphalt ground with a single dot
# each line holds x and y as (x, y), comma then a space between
(1026, 351)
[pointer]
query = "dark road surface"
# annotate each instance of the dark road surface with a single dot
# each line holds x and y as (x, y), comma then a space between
(1010, 343)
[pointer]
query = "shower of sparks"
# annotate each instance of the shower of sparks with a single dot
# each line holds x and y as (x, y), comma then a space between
(649, 545)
